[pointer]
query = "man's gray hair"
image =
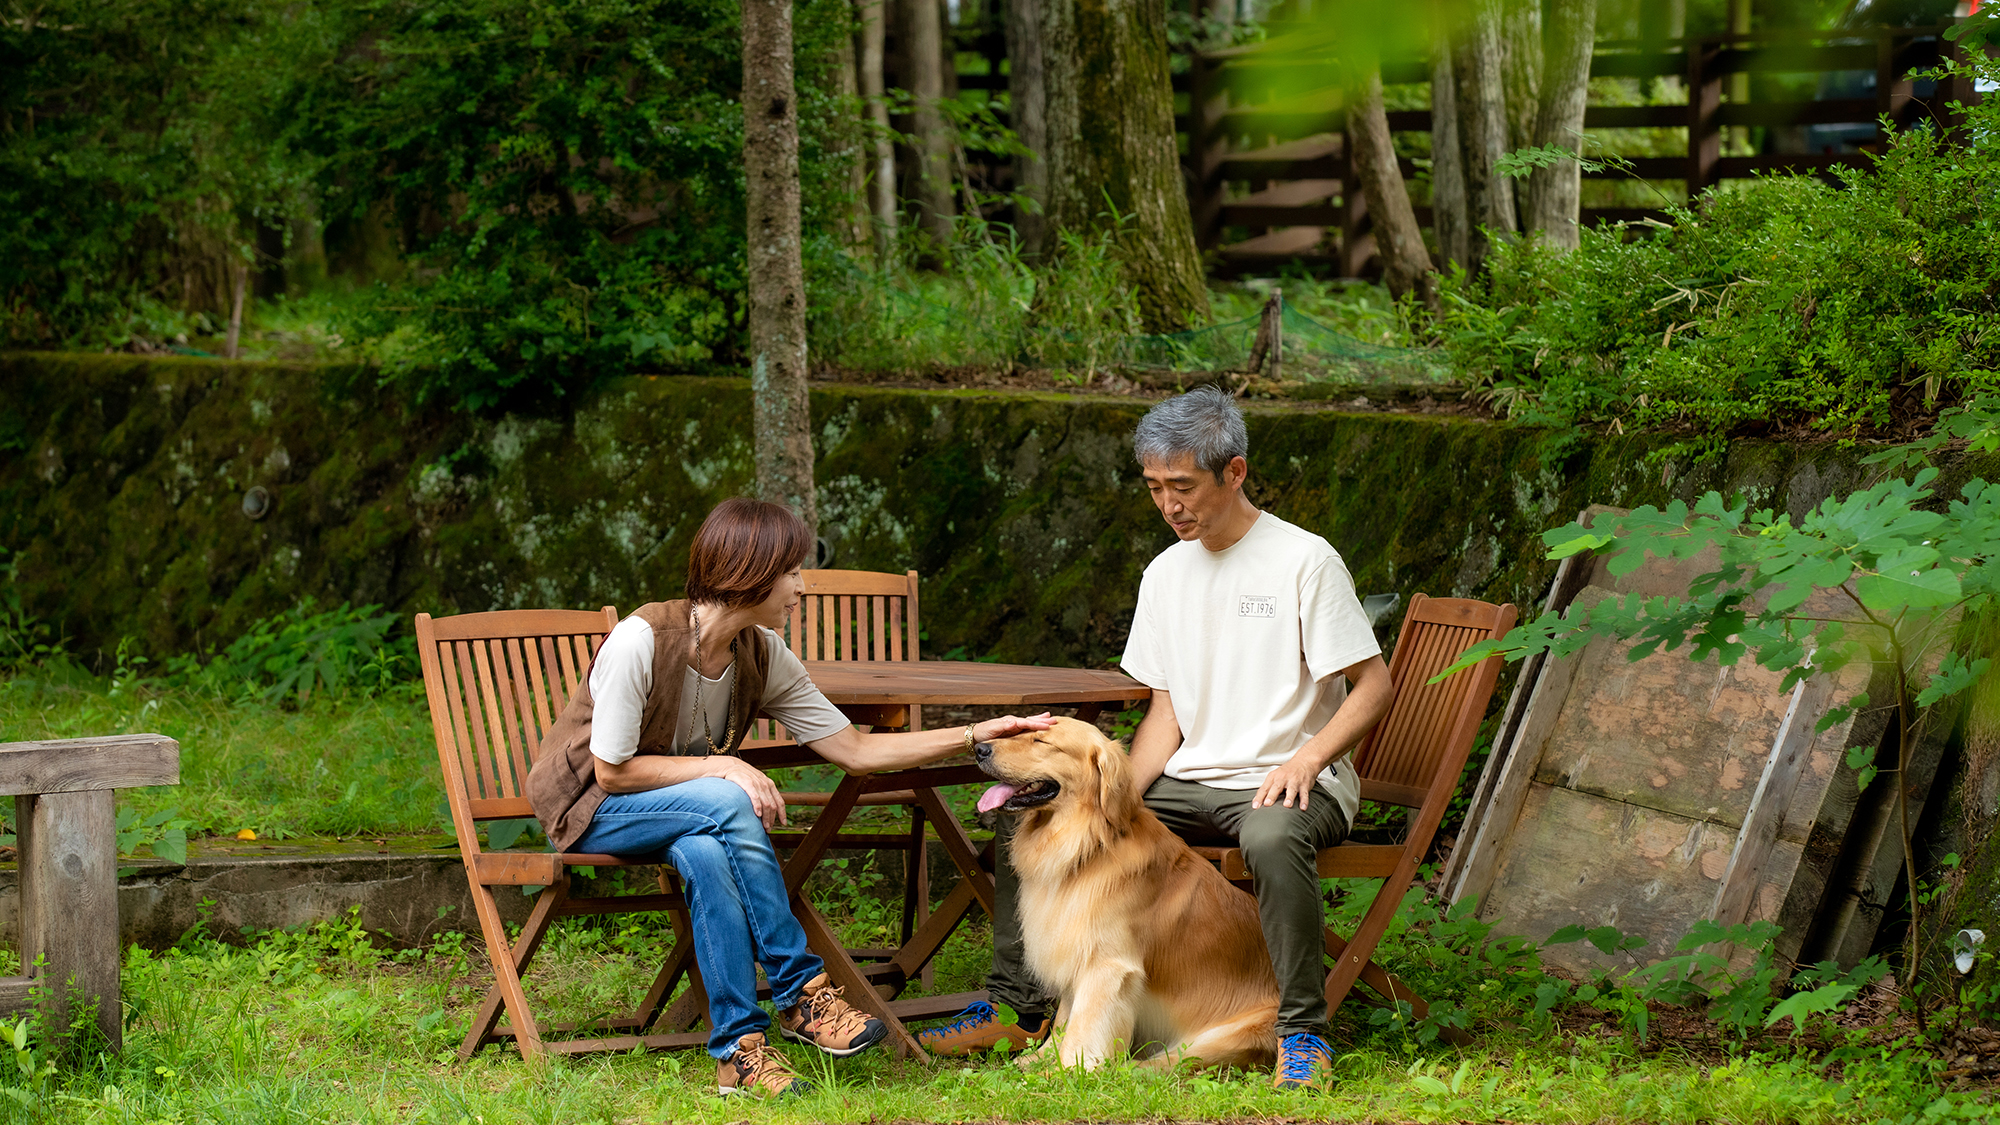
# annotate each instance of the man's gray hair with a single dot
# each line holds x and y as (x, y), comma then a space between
(1203, 422)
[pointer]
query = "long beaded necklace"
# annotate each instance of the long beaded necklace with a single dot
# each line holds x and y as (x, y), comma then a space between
(701, 710)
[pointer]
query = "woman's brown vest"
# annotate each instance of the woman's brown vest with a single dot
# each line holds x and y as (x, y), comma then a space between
(563, 787)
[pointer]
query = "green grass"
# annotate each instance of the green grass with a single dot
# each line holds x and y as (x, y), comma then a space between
(335, 766)
(341, 764)
(323, 1026)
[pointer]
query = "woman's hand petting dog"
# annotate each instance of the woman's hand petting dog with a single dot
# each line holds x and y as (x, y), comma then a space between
(1007, 726)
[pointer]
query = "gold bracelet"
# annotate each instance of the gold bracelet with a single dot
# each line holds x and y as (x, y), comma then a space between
(968, 737)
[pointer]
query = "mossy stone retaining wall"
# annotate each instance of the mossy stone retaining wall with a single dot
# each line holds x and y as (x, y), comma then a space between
(122, 484)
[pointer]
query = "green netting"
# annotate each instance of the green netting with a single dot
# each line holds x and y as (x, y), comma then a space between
(1312, 352)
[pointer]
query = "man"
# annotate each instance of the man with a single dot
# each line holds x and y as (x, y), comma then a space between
(1246, 630)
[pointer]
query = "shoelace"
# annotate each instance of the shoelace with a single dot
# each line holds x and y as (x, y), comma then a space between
(826, 1004)
(752, 1061)
(1298, 1055)
(978, 1013)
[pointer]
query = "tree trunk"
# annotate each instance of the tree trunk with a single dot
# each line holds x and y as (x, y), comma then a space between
(932, 141)
(1448, 211)
(1521, 80)
(1521, 50)
(853, 150)
(1027, 102)
(1482, 129)
(1406, 265)
(882, 143)
(780, 415)
(1554, 192)
(1112, 149)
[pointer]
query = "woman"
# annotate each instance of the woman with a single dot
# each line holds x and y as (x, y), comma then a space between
(642, 764)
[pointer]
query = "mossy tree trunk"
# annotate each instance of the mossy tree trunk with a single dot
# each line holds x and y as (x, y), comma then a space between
(1554, 195)
(1027, 97)
(853, 146)
(780, 416)
(1479, 85)
(930, 134)
(1406, 263)
(1111, 149)
(1448, 215)
(882, 145)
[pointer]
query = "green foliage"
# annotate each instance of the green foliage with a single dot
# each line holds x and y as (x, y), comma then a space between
(567, 179)
(131, 171)
(1900, 570)
(558, 186)
(1879, 575)
(164, 833)
(310, 723)
(292, 654)
(1780, 302)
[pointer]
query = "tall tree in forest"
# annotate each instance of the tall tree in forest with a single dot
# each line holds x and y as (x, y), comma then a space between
(882, 144)
(1521, 66)
(929, 135)
(1406, 264)
(1554, 195)
(1113, 163)
(1448, 211)
(1027, 107)
(1479, 89)
(852, 155)
(780, 414)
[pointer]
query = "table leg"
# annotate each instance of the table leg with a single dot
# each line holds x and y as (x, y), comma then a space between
(824, 830)
(854, 987)
(959, 845)
(1088, 712)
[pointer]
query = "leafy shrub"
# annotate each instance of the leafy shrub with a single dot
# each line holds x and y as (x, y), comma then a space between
(1783, 301)
(301, 650)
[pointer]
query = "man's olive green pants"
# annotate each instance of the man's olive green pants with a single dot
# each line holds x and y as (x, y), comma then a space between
(1278, 846)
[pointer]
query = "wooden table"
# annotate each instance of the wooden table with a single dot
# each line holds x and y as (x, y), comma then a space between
(881, 693)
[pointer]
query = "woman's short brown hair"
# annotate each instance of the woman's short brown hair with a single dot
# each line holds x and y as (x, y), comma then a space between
(742, 549)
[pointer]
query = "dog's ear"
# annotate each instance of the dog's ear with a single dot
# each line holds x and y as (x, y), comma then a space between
(1114, 779)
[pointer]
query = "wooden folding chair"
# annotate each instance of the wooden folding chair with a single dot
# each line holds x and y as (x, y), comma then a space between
(1412, 758)
(496, 683)
(861, 615)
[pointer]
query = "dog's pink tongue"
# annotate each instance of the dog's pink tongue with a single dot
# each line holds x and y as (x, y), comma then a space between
(995, 797)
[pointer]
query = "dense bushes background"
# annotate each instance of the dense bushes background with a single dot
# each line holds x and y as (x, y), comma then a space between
(543, 193)
(517, 200)
(1769, 304)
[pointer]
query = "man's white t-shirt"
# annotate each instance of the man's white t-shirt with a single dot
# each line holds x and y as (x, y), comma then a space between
(1250, 642)
(622, 678)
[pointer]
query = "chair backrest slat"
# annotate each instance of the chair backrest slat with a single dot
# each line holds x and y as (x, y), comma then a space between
(491, 734)
(1426, 722)
(851, 615)
(497, 683)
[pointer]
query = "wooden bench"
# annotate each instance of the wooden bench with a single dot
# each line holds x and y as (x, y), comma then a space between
(66, 825)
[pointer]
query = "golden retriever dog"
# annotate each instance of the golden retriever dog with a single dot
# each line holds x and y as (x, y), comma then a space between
(1145, 943)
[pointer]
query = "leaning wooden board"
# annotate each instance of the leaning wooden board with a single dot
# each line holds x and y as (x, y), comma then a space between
(1652, 795)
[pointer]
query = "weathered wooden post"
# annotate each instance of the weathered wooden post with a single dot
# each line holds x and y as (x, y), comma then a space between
(67, 843)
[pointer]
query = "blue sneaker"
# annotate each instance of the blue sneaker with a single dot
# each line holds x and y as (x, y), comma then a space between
(1304, 1060)
(979, 1028)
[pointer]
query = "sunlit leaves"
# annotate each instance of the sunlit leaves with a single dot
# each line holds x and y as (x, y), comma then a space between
(1868, 576)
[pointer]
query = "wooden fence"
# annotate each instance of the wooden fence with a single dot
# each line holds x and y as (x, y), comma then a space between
(1269, 182)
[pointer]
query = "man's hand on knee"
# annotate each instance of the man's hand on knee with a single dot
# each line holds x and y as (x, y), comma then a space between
(1290, 784)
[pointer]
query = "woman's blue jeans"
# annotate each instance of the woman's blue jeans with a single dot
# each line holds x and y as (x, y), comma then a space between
(735, 889)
